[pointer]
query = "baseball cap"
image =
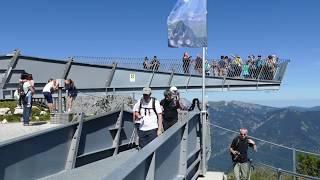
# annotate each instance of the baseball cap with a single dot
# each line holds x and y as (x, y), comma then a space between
(173, 88)
(146, 90)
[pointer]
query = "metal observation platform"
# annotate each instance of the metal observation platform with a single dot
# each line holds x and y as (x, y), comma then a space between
(103, 146)
(104, 75)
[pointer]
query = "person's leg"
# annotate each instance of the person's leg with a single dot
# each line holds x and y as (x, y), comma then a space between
(48, 97)
(244, 170)
(70, 101)
(29, 95)
(152, 134)
(142, 138)
(236, 171)
(26, 114)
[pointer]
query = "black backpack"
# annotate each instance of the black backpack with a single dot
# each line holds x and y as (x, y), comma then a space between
(169, 109)
(153, 106)
(21, 91)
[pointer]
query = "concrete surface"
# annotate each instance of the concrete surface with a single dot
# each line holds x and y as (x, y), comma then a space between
(13, 130)
(210, 175)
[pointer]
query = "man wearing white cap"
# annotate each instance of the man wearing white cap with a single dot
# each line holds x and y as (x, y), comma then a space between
(175, 93)
(239, 153)
(147, 112)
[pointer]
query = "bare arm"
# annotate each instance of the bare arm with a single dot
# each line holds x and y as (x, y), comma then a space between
(136, 116)
(233, 151)
(160, 125)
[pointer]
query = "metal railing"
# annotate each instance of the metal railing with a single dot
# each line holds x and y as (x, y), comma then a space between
(264, 70)
(286, 157)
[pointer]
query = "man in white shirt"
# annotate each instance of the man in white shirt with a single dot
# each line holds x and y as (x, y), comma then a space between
(147, 112)
(51, 86)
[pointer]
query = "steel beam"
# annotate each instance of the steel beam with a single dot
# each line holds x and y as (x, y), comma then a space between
(67, 69)
(152, 167)
(118, 128)
(171, 77)
(183, 152)
(73, 151)
(109, 80)
(11, 65)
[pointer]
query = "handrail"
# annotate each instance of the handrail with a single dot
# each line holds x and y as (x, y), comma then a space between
(229, 70)
(269, 142)
(287, 172)
(279, 170)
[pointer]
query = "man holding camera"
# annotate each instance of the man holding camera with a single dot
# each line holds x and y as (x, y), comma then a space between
(239, 154)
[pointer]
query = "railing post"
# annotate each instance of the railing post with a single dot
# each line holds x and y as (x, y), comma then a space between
(67, 69)
(258, 78)
(152, 167)
(294, 162)
(203, 117)
(61, 86)
(73, 150)
(8, 73)
(279, 174)
(118, 128)
(183, 152)
(109, 80)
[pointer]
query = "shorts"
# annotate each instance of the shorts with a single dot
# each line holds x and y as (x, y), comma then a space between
(48, 97)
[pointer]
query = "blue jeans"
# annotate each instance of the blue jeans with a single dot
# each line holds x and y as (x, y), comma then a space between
(26, 111)
(29, 96)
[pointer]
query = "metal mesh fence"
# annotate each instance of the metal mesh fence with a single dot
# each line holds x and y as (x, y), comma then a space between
(262, 69)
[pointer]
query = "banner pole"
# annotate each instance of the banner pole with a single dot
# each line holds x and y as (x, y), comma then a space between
(203, 115)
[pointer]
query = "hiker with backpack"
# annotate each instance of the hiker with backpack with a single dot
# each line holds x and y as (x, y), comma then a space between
(148, 115)
(239, 154)
(170, 107)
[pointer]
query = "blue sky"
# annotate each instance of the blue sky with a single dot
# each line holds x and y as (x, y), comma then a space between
(127, 28)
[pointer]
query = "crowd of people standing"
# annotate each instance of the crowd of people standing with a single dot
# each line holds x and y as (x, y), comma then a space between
(254, 67)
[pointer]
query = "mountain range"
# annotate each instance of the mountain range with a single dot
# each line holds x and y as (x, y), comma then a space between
(293, 127)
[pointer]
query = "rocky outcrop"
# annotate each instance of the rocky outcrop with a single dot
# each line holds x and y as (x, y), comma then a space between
(5, 111)
(92, 105)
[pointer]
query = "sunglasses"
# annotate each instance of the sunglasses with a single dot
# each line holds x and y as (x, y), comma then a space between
(242, 134)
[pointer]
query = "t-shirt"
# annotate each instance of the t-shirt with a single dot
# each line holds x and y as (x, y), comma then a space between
(48, 87)
(170, 107)
(240, 145)
(149, 118)
(26, 86)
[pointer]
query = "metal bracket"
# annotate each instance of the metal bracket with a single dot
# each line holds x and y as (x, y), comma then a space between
(151, 78)
(152, 167)
(109, 80)
(188, 81)
(118, 128)
(171, 77)
(67, 69)
(73, 150)
(11, 65)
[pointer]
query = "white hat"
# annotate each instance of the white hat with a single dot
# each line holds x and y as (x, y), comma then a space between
(146, 90)
(173, 88)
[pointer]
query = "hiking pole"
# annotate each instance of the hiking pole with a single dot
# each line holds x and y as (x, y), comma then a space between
(250, 167)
